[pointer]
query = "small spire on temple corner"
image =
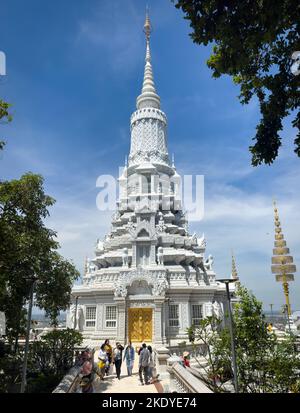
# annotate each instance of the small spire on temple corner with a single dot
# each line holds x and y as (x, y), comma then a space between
(126, 161)
(173, 160)
(234, 273)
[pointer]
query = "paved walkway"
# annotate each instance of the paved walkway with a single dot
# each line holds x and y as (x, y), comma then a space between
(126, 384)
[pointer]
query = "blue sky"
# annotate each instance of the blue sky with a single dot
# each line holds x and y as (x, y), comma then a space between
(74, 70)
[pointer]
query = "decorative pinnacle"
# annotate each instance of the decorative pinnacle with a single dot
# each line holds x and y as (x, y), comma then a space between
(147, 25)
(148, 98)
(234, 273)
(282, 263)
(85, 266)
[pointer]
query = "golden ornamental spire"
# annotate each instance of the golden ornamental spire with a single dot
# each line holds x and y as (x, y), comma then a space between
(147, 25)
(282, 262)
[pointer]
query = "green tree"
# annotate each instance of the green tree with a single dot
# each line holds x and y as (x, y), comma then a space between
(54, 352)
(209, 336)
(50, 358)
(253, 42)
(5, 116)
(265, 364)
(29, 249)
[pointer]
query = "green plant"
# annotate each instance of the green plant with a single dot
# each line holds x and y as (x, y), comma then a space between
(53, 354)
(253, 42)
(30, 248)
(265, 364)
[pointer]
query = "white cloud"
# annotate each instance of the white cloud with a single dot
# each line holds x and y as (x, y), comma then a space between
(114, 27)
(78, 226)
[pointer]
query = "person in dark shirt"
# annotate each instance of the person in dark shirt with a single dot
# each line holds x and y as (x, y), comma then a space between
(144, 361)
(117, 358)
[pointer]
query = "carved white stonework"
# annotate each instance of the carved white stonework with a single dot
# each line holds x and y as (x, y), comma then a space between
(161, 227)
(125, 257)
(100, 245)
(209, 262)
(160, 256)
(157, 279)
(209, 310)
(141, 304)
(148, 257)
(79, 317)
(217, 310)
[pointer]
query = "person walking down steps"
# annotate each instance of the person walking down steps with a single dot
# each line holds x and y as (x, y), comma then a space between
(129, 357)
(144, 361)
(152, 373)
(117, 358)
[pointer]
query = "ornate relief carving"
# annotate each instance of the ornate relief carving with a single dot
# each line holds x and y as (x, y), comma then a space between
(146, 226)
(141, 304)
(209, 262)
(160, 227)
(148, 139)
(155, 278)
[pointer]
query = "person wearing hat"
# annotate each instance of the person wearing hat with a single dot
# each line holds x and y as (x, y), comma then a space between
(185, 359)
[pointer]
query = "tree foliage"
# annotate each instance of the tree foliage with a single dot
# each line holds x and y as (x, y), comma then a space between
(209, 335)
(49, 360)
(29, 249)
(253, 42)
(54, 352)
(265, 364)
(5, 116)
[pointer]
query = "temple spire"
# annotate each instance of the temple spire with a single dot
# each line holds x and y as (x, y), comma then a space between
(234, 273)
(148, 98)
(282, 263)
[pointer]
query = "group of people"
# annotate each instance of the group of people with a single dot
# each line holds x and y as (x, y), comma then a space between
(146, 365)
(109, 356)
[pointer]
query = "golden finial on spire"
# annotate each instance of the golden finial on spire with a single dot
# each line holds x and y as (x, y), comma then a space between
(147, 25)
(282, 263)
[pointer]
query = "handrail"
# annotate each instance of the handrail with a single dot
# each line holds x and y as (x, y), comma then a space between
(198, 350)
(70, 381)
(185, 381)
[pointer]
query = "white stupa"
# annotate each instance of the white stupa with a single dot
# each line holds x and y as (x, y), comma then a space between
(149, 280)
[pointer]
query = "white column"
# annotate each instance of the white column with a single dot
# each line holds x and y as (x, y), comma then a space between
(100, 317)
(158, 321)
(121, 314)
(164, 319)
(133, 263)
(185, 314)
(153, 253)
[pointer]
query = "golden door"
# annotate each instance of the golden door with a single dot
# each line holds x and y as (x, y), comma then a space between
(140, 324)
